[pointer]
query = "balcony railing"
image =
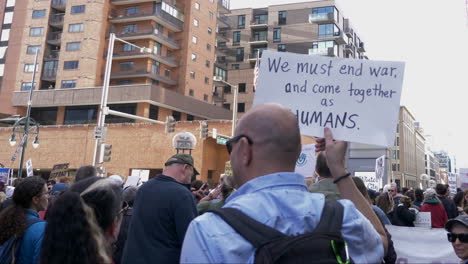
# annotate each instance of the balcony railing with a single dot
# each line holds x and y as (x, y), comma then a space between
(59, 4)
(53, 54)
(330, 51)
(224, 3)
(258, 38)
(319, 17)
(137, 54)
(259, 20)
(226, 20)
(175, 23)
(57, 19)
(174, 43)
(48, 74)
(54, 38)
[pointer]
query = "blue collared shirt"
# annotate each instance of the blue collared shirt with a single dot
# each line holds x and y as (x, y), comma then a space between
(281, 201)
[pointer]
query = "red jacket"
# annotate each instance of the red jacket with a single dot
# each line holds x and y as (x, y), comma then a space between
(438, 214)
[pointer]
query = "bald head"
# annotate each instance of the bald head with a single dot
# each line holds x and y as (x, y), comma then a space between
(275, 132)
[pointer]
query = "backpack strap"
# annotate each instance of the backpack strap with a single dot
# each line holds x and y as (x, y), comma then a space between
(252, 230)
(332, 217)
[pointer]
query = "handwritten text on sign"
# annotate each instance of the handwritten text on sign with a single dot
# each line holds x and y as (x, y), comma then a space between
(358, 99)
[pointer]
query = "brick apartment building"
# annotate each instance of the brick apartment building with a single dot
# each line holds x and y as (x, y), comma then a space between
(314, 28)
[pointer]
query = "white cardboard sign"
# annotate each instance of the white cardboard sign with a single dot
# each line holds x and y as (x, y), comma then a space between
(380, 167)
(369, 179)
(305, 164)
(423, 219)
(358, 99)
(29, 168)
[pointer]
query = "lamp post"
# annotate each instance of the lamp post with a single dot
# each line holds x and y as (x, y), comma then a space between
(28, 121)
(234, 107)
(103, 111)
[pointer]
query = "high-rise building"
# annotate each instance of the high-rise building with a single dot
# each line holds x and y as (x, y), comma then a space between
(163, 59)
(315, 28)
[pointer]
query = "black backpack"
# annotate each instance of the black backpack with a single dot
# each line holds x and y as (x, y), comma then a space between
(10, 249)
(324, 245)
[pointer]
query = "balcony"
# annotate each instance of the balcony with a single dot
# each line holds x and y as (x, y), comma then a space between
(59, 4)
(349, 48)
(154, 34)
(330, 51)
(52, 55)
(138, 55)
(145, 74)
(54, 38)
(222, 36)
(337, 36)
(254, 56)
(259, 21)
(49, 74)
(223, 6)
(158, 16)
(258, 40)
(360, 47)
(56, 20)
(347, 28)
(128, 2)
(322, 17)
(226, 21)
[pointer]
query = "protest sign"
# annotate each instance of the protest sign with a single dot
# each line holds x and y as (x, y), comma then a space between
(464, 178)
(369, 180)
(132, 180)
(452, 181)
(423, 219)
(29, 168)
(380, 168)
(358, 99)
(305, 164)
(4, 173)
(59, 170)
(142, 174)
(421, 245)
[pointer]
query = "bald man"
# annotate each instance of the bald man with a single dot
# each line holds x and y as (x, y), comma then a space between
(263, 155)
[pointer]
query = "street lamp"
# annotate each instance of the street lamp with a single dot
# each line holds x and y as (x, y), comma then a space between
(30, 126)
(234, 107)
(105, 88)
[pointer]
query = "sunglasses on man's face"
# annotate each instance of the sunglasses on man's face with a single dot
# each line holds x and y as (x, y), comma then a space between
(233, 140)
(452, 237)
(391, 191)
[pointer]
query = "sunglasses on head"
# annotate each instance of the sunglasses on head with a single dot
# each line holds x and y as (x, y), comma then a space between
(452, 237)
(234, 140)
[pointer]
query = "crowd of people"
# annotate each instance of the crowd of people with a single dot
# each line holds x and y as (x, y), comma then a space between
(263, 213)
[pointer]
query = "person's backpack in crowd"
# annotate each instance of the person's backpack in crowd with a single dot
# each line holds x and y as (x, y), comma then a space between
(324, 245)
(10, 249)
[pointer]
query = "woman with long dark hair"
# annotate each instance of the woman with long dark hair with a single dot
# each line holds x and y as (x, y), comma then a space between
(22, 220)
(83, 223)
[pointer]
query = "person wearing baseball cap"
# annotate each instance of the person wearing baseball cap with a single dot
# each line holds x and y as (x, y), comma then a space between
(458, 236)
(162, 211)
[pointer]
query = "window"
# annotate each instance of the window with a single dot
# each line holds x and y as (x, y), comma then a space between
(190, 117)
(38, 13)
(167, 72)
(282, 17)
(207, 80)
(235, 66)
(192, 74)
(26, 86)
(207, 63)
(130, 28)
(321, 47)
(221, 59)
(194, 57)
(227, 106)
(68, 83)
(30, 67)
(282, 47)
(227, 89)
(239, 54)
(221, 44)
(222, 73)
(3, 52)
(260, 19)
(124, 82)
(260, 35)
(35, 31)
(205, 97)
(195, 22)
(70, 65)
(127, 66)
(133, 11)
(210, 31)
(236, 38)
(211, 15)
(78, 9)
(328, 30)
(177, 115)
(277, 35)
(242, 87)
(8, 18)
(208, 47)
(75, 27)
(80, 115)
(194, 40)
(241, 107)
(10, 3)
(44, 115)
(241, 21)
(197, 6)
(153, 112)
(5, 35)
(73, 46)
(191, 92)
(128, 47)
(126, 108)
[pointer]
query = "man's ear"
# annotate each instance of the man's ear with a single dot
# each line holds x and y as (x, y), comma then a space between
(246, 151)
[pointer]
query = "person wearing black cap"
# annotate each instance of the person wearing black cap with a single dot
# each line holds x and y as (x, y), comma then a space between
(162, 212)
(458, 236)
